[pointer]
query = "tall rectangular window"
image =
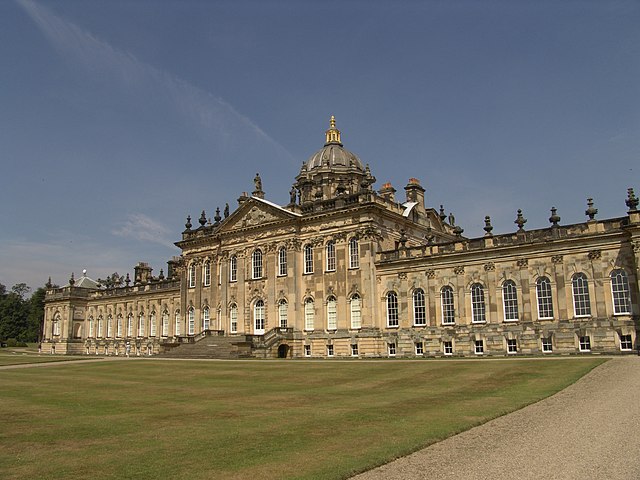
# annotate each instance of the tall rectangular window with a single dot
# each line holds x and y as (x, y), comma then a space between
(282, 262)
(282, 314)
(354, 254)
(177, 323)
(356, 315)
(419, 346)
(109, 326)
(478, 311)
(152, 324)
(332, 314)
(392, 309)
(256, 259)
(307, 350)
(141, 321)
(119, 326)
(309, 314)
(331, 256)
(192, 276)
(206, 318)
(354, 349)
(192, 321)
(206, 274)
(545, 302)
(233, 318)
(391, 349)
(233, 269)
(448, 307)
(510, 301)
(165, 324)
(547, 346)
(620, 292)
(419, 309)
(308, 259)
(512, 345)
(581, 303)
(447, 347)
(479, 347)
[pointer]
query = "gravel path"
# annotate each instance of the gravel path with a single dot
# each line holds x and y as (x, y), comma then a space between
(588, 431)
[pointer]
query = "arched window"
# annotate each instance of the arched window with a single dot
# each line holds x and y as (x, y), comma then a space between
(308, 259)
(309, 314)
(545, 301)
(233, 318)
(141, 325)
(282, 261)
(177, 326)
(282, 313)
(165, 323)
(331, 256)
(206, 273)
(510, 301)
(332, 313)
(109, 326)
(192, 276)
(478, 310)
(206, 319)
(419, 309)
(356, 311)
(152, 324)
(119, 326)
(258, 317)
(233, 269)
(448, 305)
(100, 326)
(130, 325)
(191, 321)
(90, 326)
(620, 292)
(354, 253)
(581, 303)
(256, 260)
(392, 309)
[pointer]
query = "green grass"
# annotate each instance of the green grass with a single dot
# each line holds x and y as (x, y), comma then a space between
(259, 420)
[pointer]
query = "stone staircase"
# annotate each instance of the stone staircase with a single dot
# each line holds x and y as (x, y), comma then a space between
(211, 346)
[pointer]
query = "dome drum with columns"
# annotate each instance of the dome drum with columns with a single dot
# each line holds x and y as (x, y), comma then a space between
(347, 271)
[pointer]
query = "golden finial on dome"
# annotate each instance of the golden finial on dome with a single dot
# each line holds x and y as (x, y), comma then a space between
(333, 134)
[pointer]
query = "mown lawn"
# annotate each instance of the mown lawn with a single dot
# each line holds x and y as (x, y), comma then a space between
(18, 357)
(138, 418)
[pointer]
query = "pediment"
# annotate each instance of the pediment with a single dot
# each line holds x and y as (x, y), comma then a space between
(253, 213)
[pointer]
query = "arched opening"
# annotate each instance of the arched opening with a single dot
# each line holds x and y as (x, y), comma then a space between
(283, 351)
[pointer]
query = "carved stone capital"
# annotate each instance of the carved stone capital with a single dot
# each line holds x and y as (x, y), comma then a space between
(522, 262)
(489, 267)
(557, 259)
(594, 255)
(459, 270)
(431, 273)
(402, 275)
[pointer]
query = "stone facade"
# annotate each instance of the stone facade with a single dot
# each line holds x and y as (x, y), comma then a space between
(345, 271)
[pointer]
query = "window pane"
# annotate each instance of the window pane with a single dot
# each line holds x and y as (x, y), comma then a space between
(477, 303)
(308, 259)
(392, 309)
(354, 254)
(332, 314)
(419, 310)
(448, 308)
(356, 317)
(309, 314)
(282, 314)
(581, 304)
(331, 256)
(545, 302)
(282, 261)
(510, 300)
(620, 292)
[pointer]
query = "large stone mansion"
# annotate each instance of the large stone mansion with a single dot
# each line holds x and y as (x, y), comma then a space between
(344, 270)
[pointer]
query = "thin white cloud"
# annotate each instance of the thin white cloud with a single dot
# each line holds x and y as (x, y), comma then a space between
(140, 227)
(215, 117)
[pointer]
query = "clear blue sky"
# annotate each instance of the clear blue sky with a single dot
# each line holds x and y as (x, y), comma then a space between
(118, 118)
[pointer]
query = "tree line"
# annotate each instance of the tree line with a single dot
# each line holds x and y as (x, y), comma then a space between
(21, 317)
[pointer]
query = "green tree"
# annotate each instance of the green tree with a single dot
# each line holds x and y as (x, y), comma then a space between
(35, 319)
(14, 311)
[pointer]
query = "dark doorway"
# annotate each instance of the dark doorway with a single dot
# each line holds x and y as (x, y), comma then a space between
(283, 351)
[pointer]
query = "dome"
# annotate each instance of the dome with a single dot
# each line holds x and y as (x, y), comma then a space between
(333, 154)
